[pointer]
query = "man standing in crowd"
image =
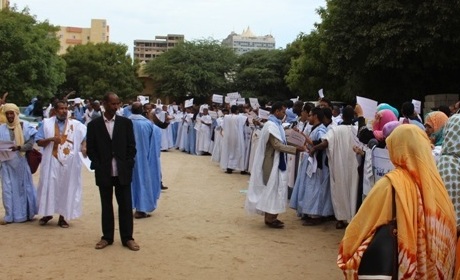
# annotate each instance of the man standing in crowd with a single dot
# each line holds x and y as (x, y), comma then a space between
(60, 186)
(111, 148)
(267, 191)
(18, 191)
(147, 173)
(233, 148)
(343, 166)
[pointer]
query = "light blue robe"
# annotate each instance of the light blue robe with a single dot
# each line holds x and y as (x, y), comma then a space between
(192, 139)
(312, 195)
(146, 182)
(18, 192)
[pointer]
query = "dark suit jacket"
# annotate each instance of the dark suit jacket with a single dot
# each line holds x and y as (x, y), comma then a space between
(101, 149)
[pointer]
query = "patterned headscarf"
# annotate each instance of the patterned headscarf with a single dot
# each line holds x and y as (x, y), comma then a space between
(15, 125)
(437, 120)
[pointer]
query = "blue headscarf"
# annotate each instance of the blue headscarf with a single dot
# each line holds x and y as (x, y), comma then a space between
(389, 107)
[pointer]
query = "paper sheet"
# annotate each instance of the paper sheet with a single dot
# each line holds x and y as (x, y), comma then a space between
(369, 106)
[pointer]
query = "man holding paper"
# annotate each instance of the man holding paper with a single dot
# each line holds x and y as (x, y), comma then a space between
(18, 191)
(60, 186)
(343, 166)
(267, 193)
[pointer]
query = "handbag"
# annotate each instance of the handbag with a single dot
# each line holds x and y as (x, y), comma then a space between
(34, 157)
(380, 259)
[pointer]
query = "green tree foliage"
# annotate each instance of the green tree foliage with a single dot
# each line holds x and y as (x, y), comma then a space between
(393, 50)
(29, 64)
(309, 69)
(192, 69)
(94, 69)
(260, 73)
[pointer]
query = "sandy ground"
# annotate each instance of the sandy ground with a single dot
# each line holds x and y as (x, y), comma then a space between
(199, 231)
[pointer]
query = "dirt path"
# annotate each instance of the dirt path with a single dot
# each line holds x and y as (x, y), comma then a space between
(199, 231)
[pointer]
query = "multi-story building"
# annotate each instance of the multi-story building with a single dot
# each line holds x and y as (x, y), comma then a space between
(4, 4)
(146, 50)
(70, 36)
(247, 41)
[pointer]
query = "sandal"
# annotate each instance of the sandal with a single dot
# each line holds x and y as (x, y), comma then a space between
(275, 224)
(102, 244)
(132, 245)
(44, 220)
(62, 223)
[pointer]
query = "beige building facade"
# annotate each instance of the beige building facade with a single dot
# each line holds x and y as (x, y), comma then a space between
(4, 4)
(146, 50)
(70, 36)
(247, 41)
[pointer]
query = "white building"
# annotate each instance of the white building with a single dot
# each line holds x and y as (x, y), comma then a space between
(247, 41)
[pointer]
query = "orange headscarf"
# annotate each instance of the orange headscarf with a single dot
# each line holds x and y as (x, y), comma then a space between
(436, 120)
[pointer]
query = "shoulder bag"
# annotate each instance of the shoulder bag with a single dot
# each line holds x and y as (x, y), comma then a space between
(380, 259)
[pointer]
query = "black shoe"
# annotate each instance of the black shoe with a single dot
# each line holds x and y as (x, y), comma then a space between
(275, 224)
(313, 222)
(163, 187)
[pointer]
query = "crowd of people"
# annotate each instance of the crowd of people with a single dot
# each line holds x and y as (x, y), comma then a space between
(329, 176)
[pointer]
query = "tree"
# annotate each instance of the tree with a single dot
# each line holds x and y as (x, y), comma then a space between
(393, 50)
(192, 69)
(260, 73)
(29, 64)
(94, 69)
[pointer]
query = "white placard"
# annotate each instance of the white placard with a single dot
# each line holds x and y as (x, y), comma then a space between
(263, 114)
(294, 137)
(321, 93)
(188, 103)
(417, 105)
(381, 163)
(295, 99)
(234, 95)
(369, 106)
(213, 114)
(217, 98)
(232, 102)
(240, 101)
(254, 103)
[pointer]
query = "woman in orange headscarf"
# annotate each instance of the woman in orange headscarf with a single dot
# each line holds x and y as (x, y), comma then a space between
(425, 215)
(434, 126)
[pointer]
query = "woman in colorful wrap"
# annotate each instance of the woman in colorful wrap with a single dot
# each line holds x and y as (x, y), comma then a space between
(425, 215)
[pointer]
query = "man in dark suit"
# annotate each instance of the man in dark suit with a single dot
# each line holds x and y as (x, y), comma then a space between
(111, 147)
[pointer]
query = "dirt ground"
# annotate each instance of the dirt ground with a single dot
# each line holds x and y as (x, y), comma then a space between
(199, 231)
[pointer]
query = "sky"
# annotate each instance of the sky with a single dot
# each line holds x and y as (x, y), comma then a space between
(195, 19)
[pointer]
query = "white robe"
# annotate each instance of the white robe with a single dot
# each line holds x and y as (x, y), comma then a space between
(60, 187)
(343, 167)
(203, 137)
(233, 147)
(217, 147)
(272, 197)
(254, 144)
(166, 134)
